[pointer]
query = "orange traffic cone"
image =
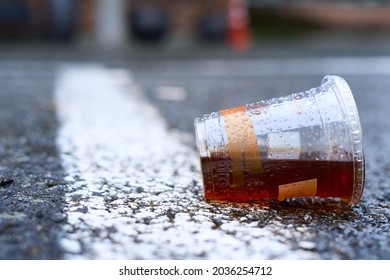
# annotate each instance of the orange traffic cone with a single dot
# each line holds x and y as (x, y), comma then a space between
(238, 23)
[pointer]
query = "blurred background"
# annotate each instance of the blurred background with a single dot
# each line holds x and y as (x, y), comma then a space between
(181, 54)
(176, 26)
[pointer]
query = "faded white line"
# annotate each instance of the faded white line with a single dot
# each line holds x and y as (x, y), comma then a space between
(170, 93)
(134, 188)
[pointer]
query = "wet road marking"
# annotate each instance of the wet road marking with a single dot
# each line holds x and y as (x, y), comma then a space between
(171, 93)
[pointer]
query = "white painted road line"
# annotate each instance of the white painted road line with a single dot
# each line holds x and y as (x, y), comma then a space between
(135, 189)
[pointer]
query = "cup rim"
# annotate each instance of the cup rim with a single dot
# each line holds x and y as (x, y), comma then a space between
(349, 106)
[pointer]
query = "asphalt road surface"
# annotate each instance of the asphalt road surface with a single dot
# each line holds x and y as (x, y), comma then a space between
(98, 161)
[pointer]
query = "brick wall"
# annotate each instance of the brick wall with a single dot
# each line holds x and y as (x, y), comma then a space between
(184, 15)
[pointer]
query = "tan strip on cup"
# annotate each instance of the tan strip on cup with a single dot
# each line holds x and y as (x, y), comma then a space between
(298, 189)
(242, 144)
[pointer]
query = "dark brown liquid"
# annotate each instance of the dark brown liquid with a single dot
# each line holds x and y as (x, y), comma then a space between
(334, 179)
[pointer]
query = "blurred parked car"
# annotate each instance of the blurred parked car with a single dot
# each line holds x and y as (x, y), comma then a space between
(15, 19)
(213, 27)
(62, 16)
(149, 23)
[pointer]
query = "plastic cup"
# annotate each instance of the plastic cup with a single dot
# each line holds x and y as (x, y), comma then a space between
(306, 144)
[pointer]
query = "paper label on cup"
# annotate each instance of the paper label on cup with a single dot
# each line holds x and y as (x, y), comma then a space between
(298, 189)
(242, 144)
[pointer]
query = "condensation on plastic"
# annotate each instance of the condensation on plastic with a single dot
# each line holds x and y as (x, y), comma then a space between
(318, 124)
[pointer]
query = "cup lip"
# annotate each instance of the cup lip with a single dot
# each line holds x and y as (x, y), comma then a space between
(200, 134)
(352, 117)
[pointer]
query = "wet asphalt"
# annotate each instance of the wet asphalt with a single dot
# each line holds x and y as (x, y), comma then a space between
(32, 185)
(361, 232)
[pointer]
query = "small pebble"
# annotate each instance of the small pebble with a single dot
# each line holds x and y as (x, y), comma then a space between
(5, 182)
(306, 245)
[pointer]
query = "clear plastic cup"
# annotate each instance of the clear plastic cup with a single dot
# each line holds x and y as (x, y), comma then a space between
(306, 144)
